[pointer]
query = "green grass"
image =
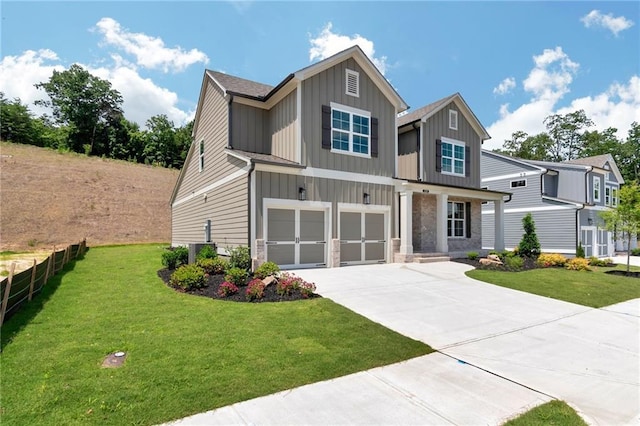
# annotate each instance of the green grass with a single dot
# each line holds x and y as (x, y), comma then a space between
(594, 288)
(554, 413)
(186, 354)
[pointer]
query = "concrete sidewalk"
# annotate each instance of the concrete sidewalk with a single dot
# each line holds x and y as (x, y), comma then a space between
(622, 259)
(518, 350)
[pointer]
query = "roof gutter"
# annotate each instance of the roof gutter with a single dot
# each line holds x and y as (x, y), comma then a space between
(250, 207)
(586, 184)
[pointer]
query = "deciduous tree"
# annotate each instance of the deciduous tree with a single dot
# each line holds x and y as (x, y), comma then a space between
(625, 218)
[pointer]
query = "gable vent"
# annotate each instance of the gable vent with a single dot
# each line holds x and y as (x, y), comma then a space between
(353, 83)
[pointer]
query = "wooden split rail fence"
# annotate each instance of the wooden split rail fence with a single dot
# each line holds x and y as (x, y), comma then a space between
(16, 289)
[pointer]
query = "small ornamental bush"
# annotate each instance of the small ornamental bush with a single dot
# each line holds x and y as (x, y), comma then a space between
(174, 257)
(513, 263)
(505, 254)
(635, 252)
(227, 289)
(240, 257)
(288, 283)
(472, 255)
(307, 289)
(188, 277)
(580, 251)
(215, 266)
(578, 264)
(266, 269)
(255, 290)
(182, 253)
(594, 261)
(529, 245)
(236, 276)
(206, 252)
(547, 260)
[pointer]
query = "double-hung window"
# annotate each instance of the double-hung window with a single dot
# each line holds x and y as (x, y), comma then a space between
(350, 130)
(607, 195)
(614, 198)
(596, 189)
(456, 219)
(453, 157)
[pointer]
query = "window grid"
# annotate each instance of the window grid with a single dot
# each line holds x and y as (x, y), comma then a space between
(350, 132)
(455, 219)
(607, 196)
(453, 158)
(201, 156)
(596, 189)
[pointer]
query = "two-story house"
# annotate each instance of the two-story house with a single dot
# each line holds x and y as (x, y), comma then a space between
(305, 173)
(564, 198)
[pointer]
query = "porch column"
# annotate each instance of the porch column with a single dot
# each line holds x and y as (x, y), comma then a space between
(442, 242)
(406, 225)
(498, 244)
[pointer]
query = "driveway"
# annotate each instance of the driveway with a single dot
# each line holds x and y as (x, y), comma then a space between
(501, 353)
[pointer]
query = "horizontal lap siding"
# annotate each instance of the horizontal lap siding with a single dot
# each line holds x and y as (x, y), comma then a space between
(523, 196)
(492, 166)
(282, 124)
(226, 207)
(282, 186)
(437, 127)
(571, 184)
(329, 86)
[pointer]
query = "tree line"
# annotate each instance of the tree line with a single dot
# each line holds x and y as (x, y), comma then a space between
(87, 117)
(568, 137)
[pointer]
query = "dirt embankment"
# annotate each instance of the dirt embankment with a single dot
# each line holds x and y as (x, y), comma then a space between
(48, 198)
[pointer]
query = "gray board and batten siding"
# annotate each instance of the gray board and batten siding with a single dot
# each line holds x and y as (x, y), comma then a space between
(329, 86)
(285, 187)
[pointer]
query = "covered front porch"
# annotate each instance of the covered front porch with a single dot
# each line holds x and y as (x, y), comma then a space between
(438, 221)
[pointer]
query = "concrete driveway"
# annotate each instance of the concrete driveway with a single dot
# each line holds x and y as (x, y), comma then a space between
(501, 353)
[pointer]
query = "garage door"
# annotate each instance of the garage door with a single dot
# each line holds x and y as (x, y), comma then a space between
(362, 238)
(296, 237)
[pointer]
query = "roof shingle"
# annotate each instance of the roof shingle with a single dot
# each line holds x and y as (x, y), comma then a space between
(240, 85)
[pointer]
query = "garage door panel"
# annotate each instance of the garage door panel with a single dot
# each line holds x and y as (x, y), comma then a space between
(350, 226)
(312, 253)
(374, 251)
(350, 252)
(281, 225)
(374, 226)
(282, 254)
(312, 225)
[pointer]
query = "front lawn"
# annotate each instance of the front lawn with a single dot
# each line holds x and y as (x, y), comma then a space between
(185, 354)
(553, 413)
(588, 288)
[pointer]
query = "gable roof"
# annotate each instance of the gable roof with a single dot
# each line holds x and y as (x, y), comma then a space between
(518, 161)
(600, 161)
(239, 86)
(428, 111)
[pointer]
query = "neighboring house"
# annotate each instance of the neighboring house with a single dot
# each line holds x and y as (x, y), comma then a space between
(439, 148)
(306, 173)
(564, 199)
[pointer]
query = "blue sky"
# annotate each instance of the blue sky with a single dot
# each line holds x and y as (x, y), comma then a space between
(514, 62)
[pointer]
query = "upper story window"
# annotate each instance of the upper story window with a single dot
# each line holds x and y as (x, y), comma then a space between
(518, 183)
(453, 119)
(596, 189)
(352, 83)
(201, 157)
(350, 130)
(614, 199)
(453, 157)
(607, 196)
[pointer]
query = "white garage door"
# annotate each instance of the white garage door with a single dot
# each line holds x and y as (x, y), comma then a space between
(296, 237)
(362, 237)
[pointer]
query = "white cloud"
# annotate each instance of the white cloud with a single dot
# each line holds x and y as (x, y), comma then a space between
(142, 97)
(18, 74)
(150, 52)
(505, 86)
(328, 43)
(595, 18)
(548, 82)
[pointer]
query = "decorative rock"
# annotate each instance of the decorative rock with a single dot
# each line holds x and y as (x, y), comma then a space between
(494, 257)
(269, 280)
(490, 262)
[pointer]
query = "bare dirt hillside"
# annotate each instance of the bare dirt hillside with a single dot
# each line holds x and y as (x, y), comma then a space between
(48, 198)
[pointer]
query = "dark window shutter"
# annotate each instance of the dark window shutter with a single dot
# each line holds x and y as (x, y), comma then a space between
(438, 155)
(467, 161)
(467, 218)
(326, 127)
(374, 137)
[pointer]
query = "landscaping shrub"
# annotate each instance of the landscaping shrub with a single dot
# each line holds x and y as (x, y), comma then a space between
(635, 252)
(288, 283)
(214, 266)
(580, 251)
(206, 252)
(547, 260)
(227, 289)
(578, 264)
(266, 269)
(529, 245)
(513, 263)
(307, 289)
(188, 277)
(240, 257)
(472, 255)
(505, 254)
(174, 257)
(594, 261)
(236, 276)
(255, 290)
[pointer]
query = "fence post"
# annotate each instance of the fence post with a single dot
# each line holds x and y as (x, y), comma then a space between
(7, 289)
(46, 274)
(55, 271)
(33, 279)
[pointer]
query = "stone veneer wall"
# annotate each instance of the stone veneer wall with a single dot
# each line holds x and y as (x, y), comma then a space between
(424, 225)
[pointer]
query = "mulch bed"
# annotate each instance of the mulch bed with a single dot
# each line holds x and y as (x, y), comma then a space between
(529, 263)
(630, 274)
(214, 281)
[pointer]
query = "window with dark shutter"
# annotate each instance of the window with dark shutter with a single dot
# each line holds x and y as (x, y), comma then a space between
(438, 155)
(326, 127)
(374, 137)
(467, 216)
(467, 161)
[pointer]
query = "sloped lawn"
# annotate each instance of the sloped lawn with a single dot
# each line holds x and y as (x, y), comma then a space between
(589, 288)
(185, 354)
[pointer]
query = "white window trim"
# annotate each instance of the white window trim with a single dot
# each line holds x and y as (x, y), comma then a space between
(464, 220)
(453, 113)
(464, 159)
(519, 186)
(597, 188)
(614, 197)
(607, 195)
(352, 73)
(201, 156)
(351, 111)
